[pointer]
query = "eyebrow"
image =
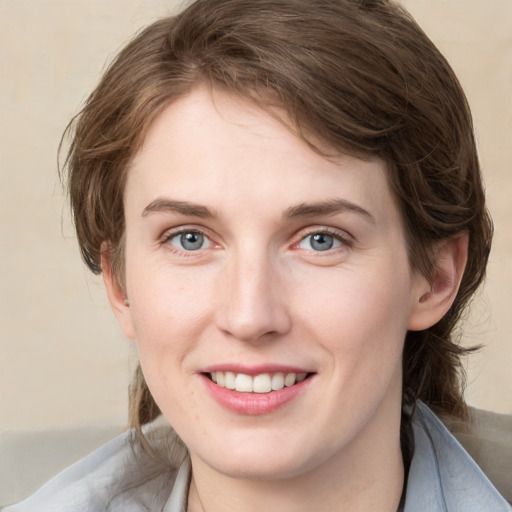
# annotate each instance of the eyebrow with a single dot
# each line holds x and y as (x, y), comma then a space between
(163, 204)
(329, 207)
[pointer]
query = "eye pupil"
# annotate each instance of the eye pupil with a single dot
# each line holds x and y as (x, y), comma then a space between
(192, 241)
(322, 242)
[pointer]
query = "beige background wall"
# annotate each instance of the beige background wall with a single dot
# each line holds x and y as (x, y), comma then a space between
(63, 362)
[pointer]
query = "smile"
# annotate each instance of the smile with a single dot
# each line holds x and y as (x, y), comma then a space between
(256, 391)
(262, 383)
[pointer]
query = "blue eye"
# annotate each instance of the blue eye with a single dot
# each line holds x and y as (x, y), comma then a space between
(189, 241)
(320, 242)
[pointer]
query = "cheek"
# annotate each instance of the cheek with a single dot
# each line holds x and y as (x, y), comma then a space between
(169, 318)
(168, 331)
(361, 318)
(166, 301)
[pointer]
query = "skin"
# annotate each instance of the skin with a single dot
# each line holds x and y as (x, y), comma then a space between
(257, 292)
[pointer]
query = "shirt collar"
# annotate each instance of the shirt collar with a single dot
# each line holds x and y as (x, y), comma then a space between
(442, 476)
(177, 501)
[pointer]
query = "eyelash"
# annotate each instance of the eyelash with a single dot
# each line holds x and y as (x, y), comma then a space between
(166, 240)
(344, 240)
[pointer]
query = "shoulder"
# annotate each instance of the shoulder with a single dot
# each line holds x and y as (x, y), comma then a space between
(442, 475)
(119, 476)
(489, 442)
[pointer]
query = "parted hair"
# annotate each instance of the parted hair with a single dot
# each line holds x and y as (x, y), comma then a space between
(358, 76)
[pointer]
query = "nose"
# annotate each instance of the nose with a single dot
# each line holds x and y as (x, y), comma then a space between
(251, 303)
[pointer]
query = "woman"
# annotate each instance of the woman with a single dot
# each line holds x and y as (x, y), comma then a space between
(285, 202)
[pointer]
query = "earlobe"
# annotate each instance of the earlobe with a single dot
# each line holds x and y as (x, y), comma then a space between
(117, 296)
(432, 299)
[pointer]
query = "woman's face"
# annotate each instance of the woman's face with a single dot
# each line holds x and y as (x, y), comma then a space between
(253, 262)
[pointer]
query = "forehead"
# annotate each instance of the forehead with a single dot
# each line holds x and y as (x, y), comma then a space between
(214, 145)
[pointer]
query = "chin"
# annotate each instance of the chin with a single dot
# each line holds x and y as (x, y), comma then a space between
(270, 470)
(258, 460)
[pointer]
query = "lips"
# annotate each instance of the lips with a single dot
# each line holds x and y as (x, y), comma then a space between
(255, 391)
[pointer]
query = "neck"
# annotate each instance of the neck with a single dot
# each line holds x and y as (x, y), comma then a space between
(344, 493)
(368, 475)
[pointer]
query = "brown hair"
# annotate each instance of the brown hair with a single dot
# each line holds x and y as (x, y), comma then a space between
(359, 75)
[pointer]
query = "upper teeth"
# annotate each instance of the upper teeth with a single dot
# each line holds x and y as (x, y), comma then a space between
(263, 383)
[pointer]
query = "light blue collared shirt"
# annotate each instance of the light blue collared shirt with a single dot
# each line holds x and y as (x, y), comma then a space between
(442, 478)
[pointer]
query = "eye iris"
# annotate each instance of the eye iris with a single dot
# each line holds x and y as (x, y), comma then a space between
(191, 241)
(322, 242)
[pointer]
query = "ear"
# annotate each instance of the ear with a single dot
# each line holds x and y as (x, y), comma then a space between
(432, 299)
(116, 295)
